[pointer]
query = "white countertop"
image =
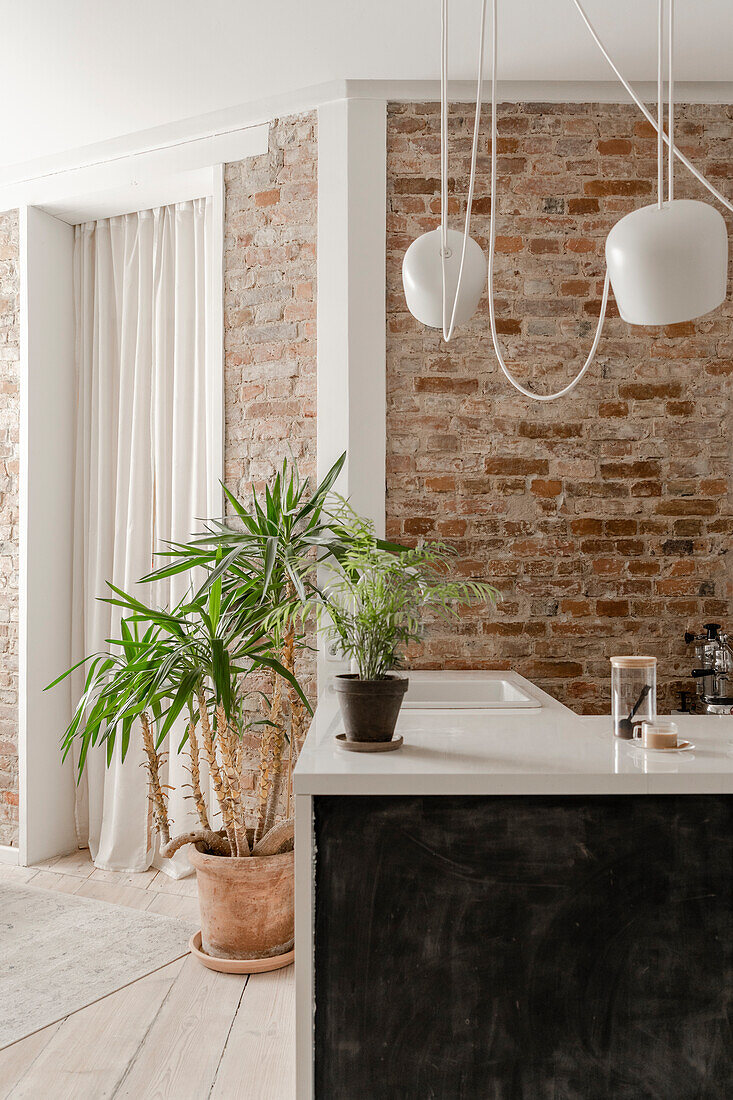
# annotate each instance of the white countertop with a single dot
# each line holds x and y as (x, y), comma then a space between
(545, 751)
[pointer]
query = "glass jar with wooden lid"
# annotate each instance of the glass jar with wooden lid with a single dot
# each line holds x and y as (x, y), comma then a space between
(633, 694)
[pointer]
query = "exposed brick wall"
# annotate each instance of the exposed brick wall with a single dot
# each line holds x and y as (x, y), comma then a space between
(270, 314)
(605, 518)
(270, 306)
(9, 460)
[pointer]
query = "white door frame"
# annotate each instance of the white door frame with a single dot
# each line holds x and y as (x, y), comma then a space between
(48, 393)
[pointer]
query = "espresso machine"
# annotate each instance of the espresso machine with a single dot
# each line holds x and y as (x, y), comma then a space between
(714, 671)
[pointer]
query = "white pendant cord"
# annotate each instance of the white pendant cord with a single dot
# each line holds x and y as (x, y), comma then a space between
(448, 327)
(648, 115)
(670, 123)
(492, 237)
(660, 104)
(661, 138)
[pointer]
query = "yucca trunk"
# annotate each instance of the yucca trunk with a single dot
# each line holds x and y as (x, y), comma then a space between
(218, 779)
(193, 750)
(233, 782)
(271, 754)
(160, 812)
(272, 743)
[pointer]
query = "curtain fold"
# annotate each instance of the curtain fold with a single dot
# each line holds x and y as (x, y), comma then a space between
(141, 471)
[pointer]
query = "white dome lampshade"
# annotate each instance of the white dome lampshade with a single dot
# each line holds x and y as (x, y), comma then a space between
(668, 264)
(422, 278)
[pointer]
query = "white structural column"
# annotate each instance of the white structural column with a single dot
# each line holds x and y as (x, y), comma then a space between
(351, 411)
(47, 397)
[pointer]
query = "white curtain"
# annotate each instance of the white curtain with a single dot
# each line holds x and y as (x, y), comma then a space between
(142, 470)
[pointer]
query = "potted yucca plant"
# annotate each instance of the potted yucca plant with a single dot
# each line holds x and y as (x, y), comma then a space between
(205, 661)
(376, 604)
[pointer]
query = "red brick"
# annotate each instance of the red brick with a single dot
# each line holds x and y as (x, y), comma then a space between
(546, 488)
(508, 244)
(608, 410)
(648, 391)
(576, 288)
(604, 188)
(452, 528)
(508, 326)
(556, 670)
(646, 468)
(612, 609)
(575, 607)
(541, 245)
(685, 507)
(267, 198)
(586, 526)
(418, 525)
(416, 186)
(444, 484)
(445, 385)
(581, 244)
(582, 206)
(680, 408)
(614, 147)
(519, 466)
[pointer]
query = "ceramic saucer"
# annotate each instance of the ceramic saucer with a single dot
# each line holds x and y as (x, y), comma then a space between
(368, 746)
(681, 746)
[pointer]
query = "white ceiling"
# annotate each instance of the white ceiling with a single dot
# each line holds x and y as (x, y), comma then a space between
(75, 72)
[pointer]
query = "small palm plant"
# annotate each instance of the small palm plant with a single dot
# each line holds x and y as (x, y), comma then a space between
(379, 601)
(377, 604)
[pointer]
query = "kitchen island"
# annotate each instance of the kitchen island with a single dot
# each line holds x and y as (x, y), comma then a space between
(514, 904)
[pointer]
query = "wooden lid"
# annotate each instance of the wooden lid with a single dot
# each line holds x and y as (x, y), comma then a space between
(633, 662)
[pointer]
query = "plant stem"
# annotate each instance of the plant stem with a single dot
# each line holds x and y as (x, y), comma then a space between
(216, 844)
(193, 749)
(277, 839)
(222, 795)
(235, 792)
(270, 756)
(159, 807)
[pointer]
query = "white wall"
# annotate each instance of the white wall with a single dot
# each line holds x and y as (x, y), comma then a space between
(46, 526)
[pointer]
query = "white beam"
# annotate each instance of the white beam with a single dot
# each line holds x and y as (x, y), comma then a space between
(120, 184)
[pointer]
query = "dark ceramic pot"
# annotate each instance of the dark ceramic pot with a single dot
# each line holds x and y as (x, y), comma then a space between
(369, 708)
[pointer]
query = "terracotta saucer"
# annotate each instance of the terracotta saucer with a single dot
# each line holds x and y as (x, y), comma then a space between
(368, 746)
(238, 966)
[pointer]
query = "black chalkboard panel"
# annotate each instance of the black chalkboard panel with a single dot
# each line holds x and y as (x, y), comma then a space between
(524, 948)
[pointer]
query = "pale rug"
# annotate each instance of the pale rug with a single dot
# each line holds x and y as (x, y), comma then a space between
(59, 953)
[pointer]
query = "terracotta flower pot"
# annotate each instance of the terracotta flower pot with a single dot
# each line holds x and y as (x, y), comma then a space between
(247, 907)
(369, 708)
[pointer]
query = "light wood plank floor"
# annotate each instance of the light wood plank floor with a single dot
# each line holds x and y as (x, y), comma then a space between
(182, 1033)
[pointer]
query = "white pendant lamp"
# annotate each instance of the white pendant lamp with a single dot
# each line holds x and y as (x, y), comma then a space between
(667, 262)
(423, 272)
